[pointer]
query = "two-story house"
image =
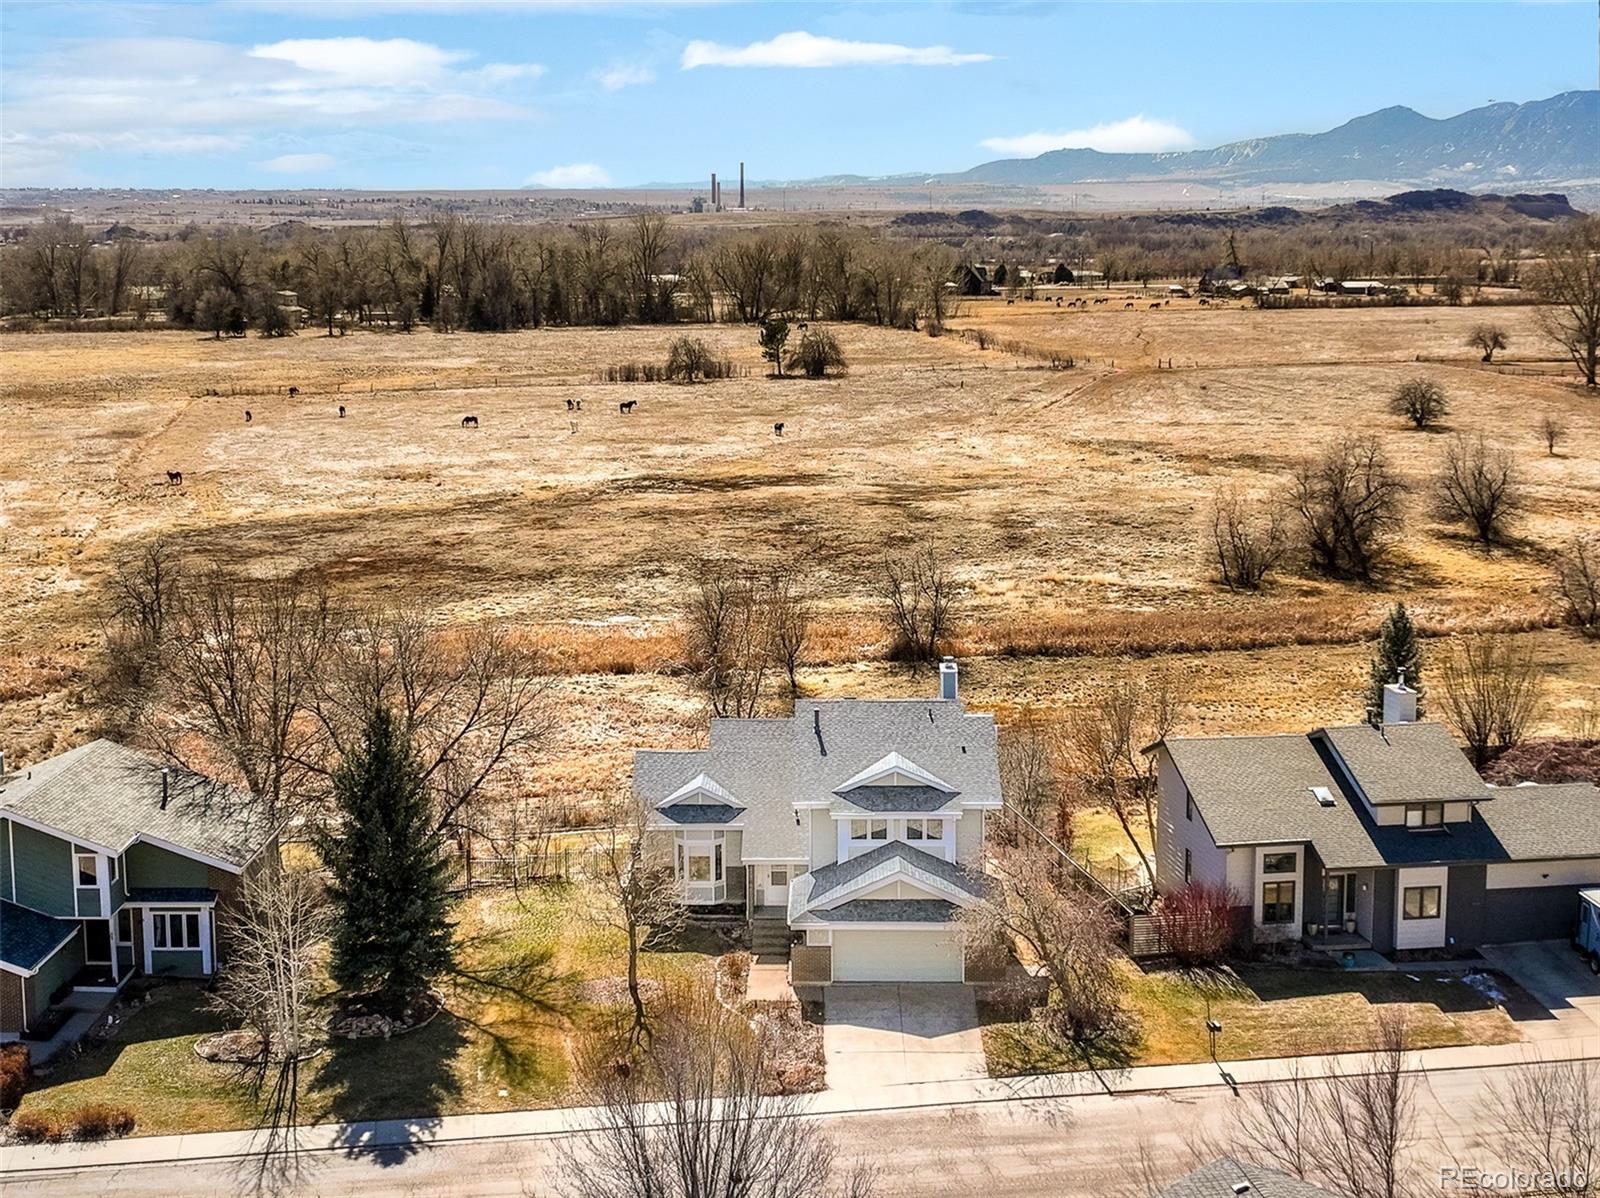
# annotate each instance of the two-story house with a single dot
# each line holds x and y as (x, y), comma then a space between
(859, 823)
(112, 863)
(1373, 834)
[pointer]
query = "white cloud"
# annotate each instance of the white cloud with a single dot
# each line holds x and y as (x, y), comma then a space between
(1136, 135)
(298, 164)
(801, 49)
(620, 75)
(495, 73)
(397, 61)
(575, 174)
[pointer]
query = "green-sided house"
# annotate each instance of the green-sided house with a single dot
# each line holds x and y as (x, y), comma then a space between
(113, 863)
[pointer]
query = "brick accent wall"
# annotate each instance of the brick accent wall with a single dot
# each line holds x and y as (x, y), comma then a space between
(10, 1002)
(810, 964)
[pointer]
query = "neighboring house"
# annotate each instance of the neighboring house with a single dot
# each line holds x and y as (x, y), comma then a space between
(112, 864)
(856, 822)
(1380, 836)
(1227, 1177)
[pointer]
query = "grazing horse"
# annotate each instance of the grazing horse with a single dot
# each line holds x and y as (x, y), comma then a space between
(569, 405)
(469, 422)
(580, 405)
(1127, 305)
(777, 429)
(627, 408)
(174, 478)
(247, 416)
(341, 411)
(802, 326)
(293, 391)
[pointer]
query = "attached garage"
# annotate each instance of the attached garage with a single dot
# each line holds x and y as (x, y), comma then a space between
(896, 956)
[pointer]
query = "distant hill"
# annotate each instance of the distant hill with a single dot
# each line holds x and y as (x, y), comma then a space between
(1541, 141)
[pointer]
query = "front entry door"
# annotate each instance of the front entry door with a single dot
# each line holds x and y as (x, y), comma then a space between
(1336, 904)
(777, 892)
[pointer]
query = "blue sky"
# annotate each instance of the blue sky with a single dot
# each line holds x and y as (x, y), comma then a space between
(467, 94)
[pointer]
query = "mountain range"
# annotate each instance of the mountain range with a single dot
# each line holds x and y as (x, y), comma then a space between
(1553, 140)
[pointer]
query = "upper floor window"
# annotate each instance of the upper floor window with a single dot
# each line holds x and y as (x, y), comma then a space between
(88, 869)
(869, 829)
(1424, 815)
(1278, 863)
(924, 829)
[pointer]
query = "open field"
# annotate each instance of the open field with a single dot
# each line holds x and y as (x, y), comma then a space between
(1073, 501)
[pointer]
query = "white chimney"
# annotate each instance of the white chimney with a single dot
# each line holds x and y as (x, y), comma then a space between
(1399, 702)
(948, 676)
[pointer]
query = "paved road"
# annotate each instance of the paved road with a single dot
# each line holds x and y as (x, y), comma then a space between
(1008, 1149)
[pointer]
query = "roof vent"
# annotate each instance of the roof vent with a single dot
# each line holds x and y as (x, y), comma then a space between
(1323, 795)
(1241, 1187)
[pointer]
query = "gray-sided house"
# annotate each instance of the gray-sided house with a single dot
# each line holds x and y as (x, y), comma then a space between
(112, 864)
(1374, 835)
(858, 823)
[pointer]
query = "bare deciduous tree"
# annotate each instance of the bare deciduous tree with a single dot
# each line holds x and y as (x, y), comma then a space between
(1478, 486)
(1104, 742)
(789, 611)
(919, 592)
(723, 1135)
(1421, 401)
(1488, 338)
(1567, 278)
(639, 895)
(1493, 694)
(1033, 772)
(1352, 1130)
(1577, 571)
(1067, 931)
(1246, 545)
(271, 978)
(730, 639)
(1552, 431)
(1350, 503)
(1546, 1119)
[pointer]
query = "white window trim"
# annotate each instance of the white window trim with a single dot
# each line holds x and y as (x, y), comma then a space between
(944, 847)
(150, 935)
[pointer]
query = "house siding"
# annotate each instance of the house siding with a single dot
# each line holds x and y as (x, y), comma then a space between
(5, 858)
(54, 974)
(44, 871)
(1465, 911)
(175, 961)
(824, 839)
(149, 865)
(1175, 832)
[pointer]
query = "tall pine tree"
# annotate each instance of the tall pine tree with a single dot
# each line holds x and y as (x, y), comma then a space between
(1398, 648)
(392, 935)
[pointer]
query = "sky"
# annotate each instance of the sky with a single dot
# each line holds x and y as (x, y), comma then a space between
(410, 94)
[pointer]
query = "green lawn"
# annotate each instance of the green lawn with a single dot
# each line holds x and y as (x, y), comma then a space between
(1267, 1011)
(479, 1055)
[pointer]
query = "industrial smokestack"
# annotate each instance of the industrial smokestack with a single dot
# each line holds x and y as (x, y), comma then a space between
(741, 185)
(714, 196)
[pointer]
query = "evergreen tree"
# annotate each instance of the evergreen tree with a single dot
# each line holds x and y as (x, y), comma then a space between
(1398, 648)
(389, 876)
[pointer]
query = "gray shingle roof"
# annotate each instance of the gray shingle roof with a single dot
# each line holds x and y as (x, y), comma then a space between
(1544, 822)
(111, 795)
(1218, 1179)
(891, 862)
(888, 911)
(29, 938)
(771, 764)
(700, 813)
(895, 798)
(1406, 763)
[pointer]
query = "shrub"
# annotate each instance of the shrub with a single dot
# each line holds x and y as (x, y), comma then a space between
(36, 1127)
(1246, 544)
(16, 1071)
(1350, 503)
(1478, 486)
(1197, 923)
(1420, 401)
(1488, 338)
(689, 360)
(100, 1121)
(633, 372)
(1577, 571)
(819, 353)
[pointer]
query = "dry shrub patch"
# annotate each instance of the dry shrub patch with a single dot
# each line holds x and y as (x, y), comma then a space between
(16, 1070)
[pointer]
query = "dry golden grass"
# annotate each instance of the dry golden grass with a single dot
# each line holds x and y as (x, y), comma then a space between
(1072, 501)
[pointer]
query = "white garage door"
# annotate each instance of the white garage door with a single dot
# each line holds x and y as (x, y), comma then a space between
(896, 957)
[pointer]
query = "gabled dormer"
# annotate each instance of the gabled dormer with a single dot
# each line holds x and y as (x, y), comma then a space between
(700, 800)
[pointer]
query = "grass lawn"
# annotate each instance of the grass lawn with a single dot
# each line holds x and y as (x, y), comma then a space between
(478, 1055)
(1269, 1011)
(1098, 837)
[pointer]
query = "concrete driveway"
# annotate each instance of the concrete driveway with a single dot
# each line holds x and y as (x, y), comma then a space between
(1553, 973)
(888, 1034)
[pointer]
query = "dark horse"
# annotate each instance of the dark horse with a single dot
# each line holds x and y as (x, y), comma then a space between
(174, 478)
(469, 422)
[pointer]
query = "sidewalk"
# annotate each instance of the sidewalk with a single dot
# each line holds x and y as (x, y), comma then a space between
(375, 1136)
